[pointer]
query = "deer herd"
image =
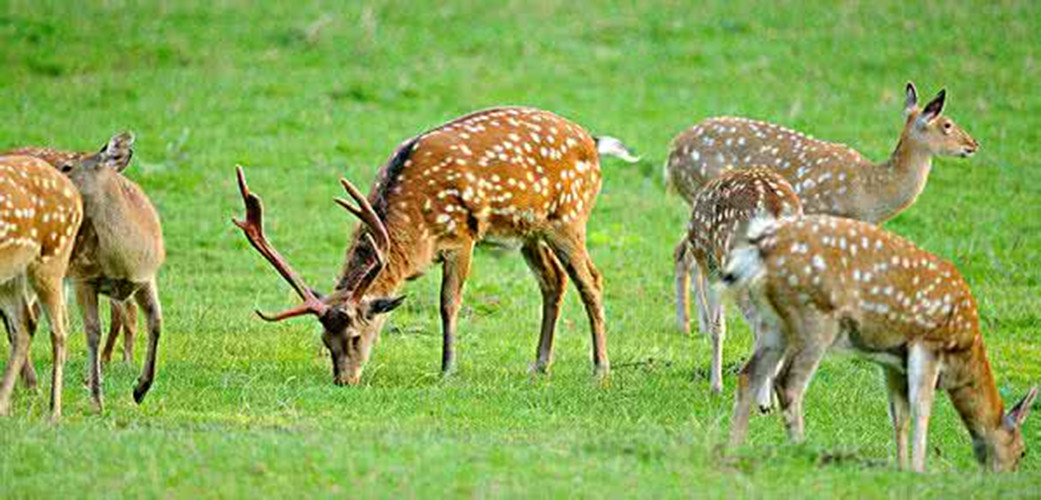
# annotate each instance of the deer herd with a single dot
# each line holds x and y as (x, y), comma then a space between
(788, 224)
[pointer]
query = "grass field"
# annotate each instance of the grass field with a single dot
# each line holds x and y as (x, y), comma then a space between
(305, 94)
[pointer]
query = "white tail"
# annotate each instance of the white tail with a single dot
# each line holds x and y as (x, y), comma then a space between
(844, 284)
(609, 146)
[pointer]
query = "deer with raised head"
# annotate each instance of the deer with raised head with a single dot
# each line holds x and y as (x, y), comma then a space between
(822, 283)
(119, 250)
(40, 213)
(721, 213)
(506, 173)
(123, 315)
(830, 178)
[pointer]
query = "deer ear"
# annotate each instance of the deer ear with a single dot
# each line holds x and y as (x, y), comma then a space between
(934, 108)
(384, 305)
(910, 98)
(1018, 413)
(118, 152)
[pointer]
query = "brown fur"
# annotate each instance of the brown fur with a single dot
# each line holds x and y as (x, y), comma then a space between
(504, 174)
(831, 283)
(719, 217)
(118, 252)
(40, 213)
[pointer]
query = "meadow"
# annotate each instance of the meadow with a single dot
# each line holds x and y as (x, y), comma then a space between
(304, 94)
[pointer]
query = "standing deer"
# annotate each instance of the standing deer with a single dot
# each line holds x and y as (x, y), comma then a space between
(823, 283)
(123, 315)
(40, 212)
(829, 178)
(720, 216)
(503, 173)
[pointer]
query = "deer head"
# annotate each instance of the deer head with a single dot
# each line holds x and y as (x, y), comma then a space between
(90, 172)
(1004, 448)
(349, 319)
(937, 133)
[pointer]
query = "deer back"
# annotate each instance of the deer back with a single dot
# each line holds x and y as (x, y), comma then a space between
(819, 171)
(723, 209)
(40, 212)
(887, 291)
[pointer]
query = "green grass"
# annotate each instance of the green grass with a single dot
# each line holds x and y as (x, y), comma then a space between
(305, 94)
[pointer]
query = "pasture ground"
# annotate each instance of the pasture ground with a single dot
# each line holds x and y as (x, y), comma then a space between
(303, 94)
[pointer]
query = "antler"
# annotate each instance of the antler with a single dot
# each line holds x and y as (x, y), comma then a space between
(377, 236)
(253, 228)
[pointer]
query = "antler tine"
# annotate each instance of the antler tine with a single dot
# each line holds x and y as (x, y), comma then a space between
(365, 212)
(370, 275)
(253, 228)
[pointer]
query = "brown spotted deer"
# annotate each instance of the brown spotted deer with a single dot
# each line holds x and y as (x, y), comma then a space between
(40, 213)
(829, 178)
(505, 173)
(719, 219)
(823, 283)
(118, 252)
(123, 315)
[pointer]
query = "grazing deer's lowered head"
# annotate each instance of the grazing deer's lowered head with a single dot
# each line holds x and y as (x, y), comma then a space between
(825, 283)
(504, 173)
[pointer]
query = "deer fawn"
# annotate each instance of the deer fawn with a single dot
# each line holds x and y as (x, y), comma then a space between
(40, 212)
(824, 283)
(829, 178)
(722, 210)
(123, 314)
(118, 253)
(504, 173)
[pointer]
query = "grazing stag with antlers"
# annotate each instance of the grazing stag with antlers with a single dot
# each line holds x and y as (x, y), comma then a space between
(829, 178)
(123, 315)
(823, 283)
(720, 217)
(40, 212)
(514, 173)
(118, 253)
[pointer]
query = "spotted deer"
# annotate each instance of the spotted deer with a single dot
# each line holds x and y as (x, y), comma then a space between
(823, 283)
(505, 173)
(40, 213)
(719, 218)
(123, 315)
(830, 178)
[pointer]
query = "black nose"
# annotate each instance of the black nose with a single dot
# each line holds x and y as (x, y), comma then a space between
(729, 279)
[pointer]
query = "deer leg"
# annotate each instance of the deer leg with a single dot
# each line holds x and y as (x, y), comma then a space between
(129, 323)
(923, 369)
(552, 278)
(32, 318)
(571, 250)
(87, 298)
(757, 372)
(717, 328)
(29, 378)
(148, 298)
(765, 398)
(114, 326)
(899, 412)
(11, 302)
(817, 333)
(454, 272)
(683, 271)
(47, 282)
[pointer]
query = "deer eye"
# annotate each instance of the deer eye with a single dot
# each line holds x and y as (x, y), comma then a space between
(947, 126)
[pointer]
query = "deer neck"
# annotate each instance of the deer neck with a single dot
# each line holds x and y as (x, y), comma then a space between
(893, 185)
(404, 257)
(976, 396)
